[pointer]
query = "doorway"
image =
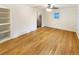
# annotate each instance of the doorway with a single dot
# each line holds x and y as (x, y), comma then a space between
(39, 21)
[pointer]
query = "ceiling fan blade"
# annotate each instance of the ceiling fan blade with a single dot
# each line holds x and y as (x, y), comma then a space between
(49, 5)
(54, 7)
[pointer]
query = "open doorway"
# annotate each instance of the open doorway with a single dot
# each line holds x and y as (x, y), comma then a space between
(39, 21)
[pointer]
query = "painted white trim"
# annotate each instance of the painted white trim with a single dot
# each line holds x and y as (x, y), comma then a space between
(60, 28)
(4, 40)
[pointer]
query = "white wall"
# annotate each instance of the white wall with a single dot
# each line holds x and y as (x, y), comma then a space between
(67, 19)
(23, 19)
(78, 21)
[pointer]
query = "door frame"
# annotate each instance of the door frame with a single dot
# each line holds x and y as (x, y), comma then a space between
(40, 20)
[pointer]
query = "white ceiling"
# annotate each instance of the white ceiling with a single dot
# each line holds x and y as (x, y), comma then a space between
(43, 6)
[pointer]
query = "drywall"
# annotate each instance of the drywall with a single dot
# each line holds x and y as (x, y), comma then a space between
(23, 19)
(77, 22)
(67, 20)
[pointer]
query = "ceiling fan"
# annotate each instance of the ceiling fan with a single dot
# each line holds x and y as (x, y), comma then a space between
(50, 7)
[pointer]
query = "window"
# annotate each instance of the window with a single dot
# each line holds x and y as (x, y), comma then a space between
(56, 15)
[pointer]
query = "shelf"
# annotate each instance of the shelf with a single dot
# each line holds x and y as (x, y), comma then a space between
(4, 18)
(5, 12)
(4, 23)
(4, 31)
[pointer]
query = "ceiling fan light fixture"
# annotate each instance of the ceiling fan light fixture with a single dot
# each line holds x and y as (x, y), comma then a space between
(48, 9)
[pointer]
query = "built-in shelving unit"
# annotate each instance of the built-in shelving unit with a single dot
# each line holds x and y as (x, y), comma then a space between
(4, 23)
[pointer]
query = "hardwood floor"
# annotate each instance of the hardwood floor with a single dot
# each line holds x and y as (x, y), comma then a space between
(44, 41)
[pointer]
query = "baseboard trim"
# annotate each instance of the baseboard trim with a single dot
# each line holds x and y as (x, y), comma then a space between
(4, 40)
(10, 38)
(7, 39)
(60, 29)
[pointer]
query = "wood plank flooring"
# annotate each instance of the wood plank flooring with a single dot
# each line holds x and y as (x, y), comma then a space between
(44, 41)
